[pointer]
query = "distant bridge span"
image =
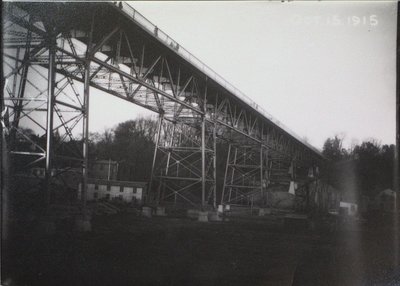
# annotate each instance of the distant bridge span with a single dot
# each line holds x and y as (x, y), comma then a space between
(54, 54)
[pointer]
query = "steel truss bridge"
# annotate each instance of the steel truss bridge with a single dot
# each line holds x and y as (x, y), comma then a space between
(56, 54)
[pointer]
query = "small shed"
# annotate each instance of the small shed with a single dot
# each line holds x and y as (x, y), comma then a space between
(384, 201)
(346, 208)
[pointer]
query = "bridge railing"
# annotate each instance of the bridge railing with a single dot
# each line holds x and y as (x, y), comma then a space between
(168, 41)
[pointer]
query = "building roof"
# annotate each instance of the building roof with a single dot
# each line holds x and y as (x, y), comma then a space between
(105, 162)
(117, 183)
(387, 192)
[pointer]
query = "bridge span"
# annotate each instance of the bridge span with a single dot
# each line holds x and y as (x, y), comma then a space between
(55, 54)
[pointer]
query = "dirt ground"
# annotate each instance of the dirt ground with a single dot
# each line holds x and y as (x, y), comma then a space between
(126, 249)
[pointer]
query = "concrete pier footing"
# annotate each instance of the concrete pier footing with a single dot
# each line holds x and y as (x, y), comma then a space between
(264, 211)
(203, 216)
(215, 216)
(147, 212)
(160, 211)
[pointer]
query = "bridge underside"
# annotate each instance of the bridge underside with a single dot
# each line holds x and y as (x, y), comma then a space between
(55, 54)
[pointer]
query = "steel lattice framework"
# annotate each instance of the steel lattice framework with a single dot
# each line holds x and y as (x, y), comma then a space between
(54, 54)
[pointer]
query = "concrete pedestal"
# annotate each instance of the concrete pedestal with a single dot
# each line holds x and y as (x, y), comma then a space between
(216, 216)
(203, 216)
(146, 212)
(264, 211)
(192, 213)
(160, 211)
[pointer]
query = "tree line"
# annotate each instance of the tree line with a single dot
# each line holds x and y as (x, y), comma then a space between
(131, 144)
(363, 169)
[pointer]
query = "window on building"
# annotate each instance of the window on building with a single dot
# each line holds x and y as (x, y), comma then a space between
(108, 187)
(96, 186)
(134, 190)
(95, 195)
(121, 189)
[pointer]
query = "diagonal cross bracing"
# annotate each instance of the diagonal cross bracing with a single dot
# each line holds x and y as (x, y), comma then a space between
(123, 54)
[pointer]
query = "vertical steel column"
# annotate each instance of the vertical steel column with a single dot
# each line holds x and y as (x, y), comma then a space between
(397, 147)
(294, 169)
(85, 166)
(24, 75)
(215, 165)
(50, 110)
(267, 175)
(261, 175)
(14, 92)
(171, 142)
(215, 149)
(160, 122)
(226, 173)
(85, 119)
(203, 161)
(203, 150)
(14, 85)
(233, 174)
(396, 179)
(261, 167)
(170, 146)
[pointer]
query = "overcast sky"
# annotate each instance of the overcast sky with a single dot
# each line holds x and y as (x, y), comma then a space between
(321, 68)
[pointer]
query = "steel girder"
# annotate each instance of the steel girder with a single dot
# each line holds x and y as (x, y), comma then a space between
(108, 49)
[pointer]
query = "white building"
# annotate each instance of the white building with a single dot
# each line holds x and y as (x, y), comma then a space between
(350, 209)
(384, 201)
(127, 191)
